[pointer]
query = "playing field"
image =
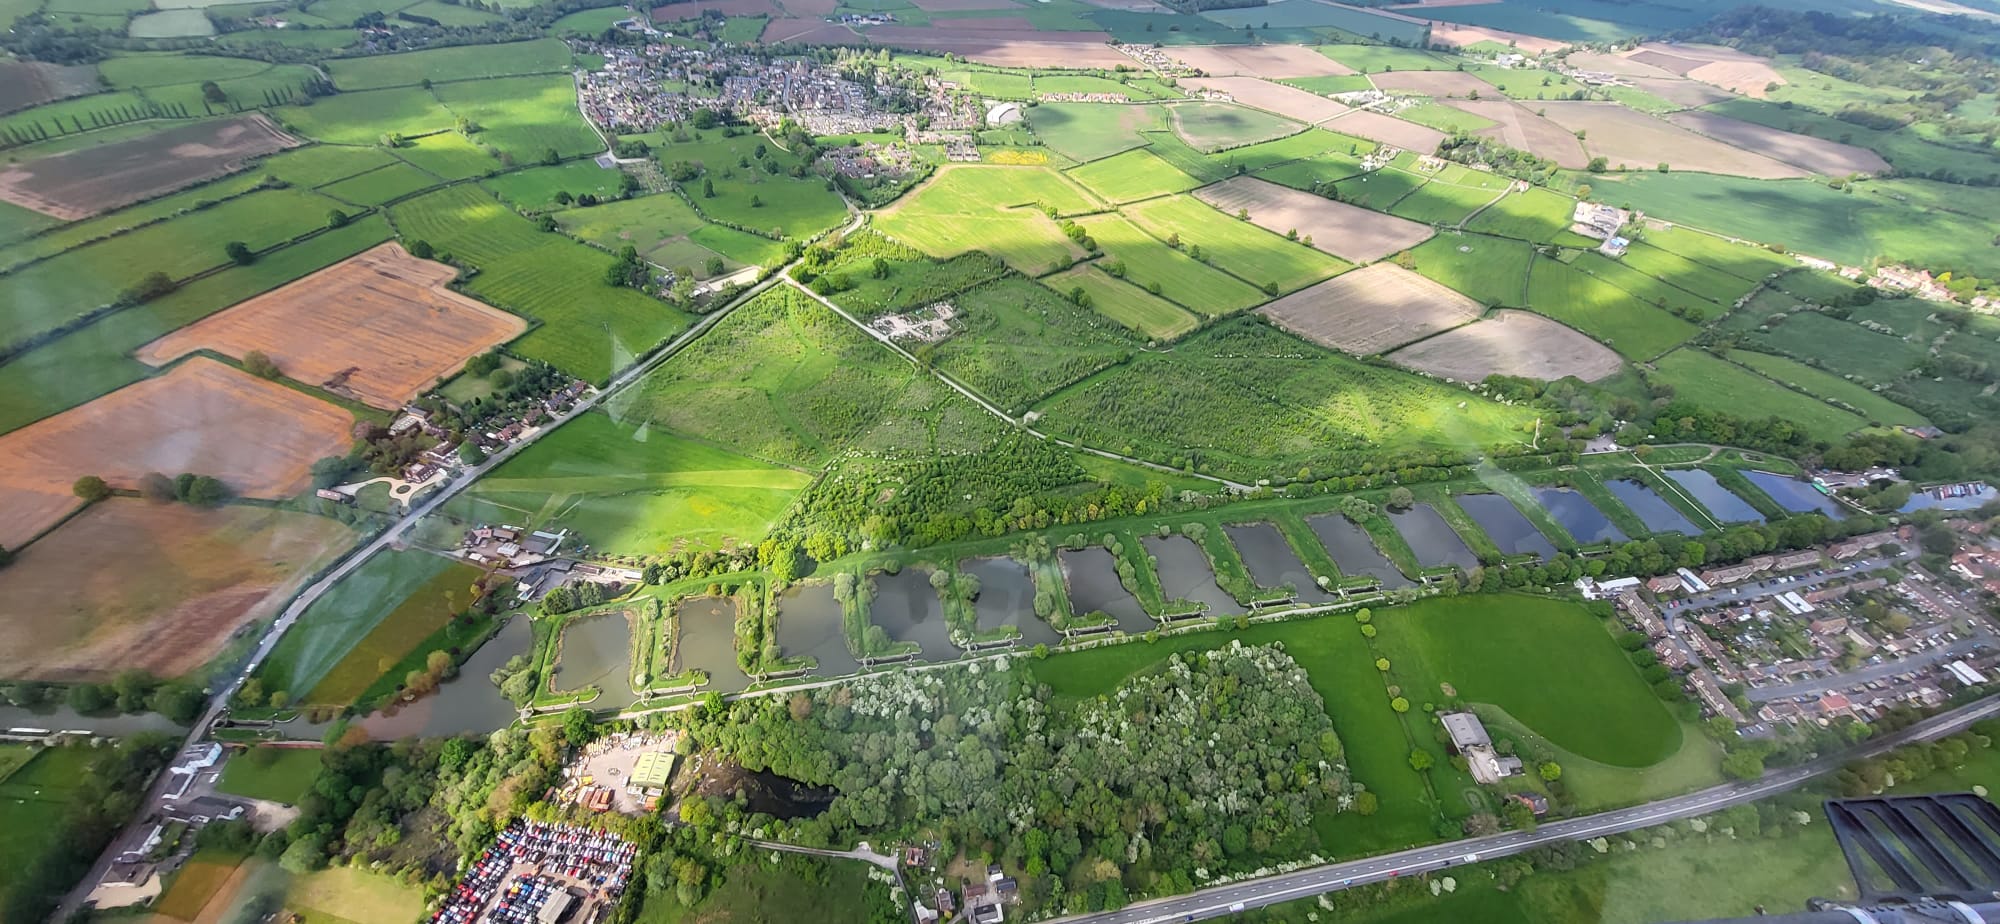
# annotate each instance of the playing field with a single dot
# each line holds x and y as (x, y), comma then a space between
(258, 437)
(997, 210)
(471, 62)
(1237, 247)
(160, 587)
(85, 182)
(1182, 279)
(588, 328)
(633, 489)
(1371, 310)
(1124, 302)
(1635, 328)
(321, 659)
(272, 774)
(378, 327)
(1517, 343)
(1702, 378)
(1132, 175)
(1354, 234)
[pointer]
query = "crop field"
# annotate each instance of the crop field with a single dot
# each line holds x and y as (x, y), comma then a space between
(379, 187)
(1877, 408)
(523, 116)
(272, 774)
(1374, 59)
(1238, 247)
(347, 895)
(1510, 342)
(1126, 303)
(1445, 118)
(1538, 215)
(1379, 189)
(1518, 126)
(992, 209)
(633, 489)
(138, 585)
(1319, 19)
(1815, 155)
(1320, 172)
(411, 585)
(1017, 342)
(200, 881)
(1442, 204)
(535, 188)
(1132, 175)
(1491, 270)
(1182, 279)
(1349, 232)
(24, 84)
(1247, 401)
(1634, 139)
(81, 233)
(363, 118)
(378, 327)
(588, 328)
(322, 164)
(1305, 144)
(1371, 310)
(258, 437)
(1701, 377)
(1290, 102)
(1389, 130)
(472, 62)
(94, 361)
(1088, 131)
(89, 181)
(1217, 126)
(1629, 325)
(1258, 60)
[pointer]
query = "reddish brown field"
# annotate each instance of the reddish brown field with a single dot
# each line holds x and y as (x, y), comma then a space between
(258, 437)
(1454, 34)
(135, 584)
(32, 83)
(993, 24)
(1349, 232)
(1671, 63)
(1518, 343)
(1628, 138)
(1621, 65)
(82, 183)
(1732, 70)
(1519, 127)
(1371, 310)
(1818, 155)
(1433, 83)
(677, 11)
(1020, 48)
(378, 327)
(1258, 61)
(1290, 102)
(1388, 130)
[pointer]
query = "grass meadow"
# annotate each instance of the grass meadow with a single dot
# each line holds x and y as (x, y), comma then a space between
(1718, 383)
(1635, 329)
(523, 116)
(320, 164)
(1490, 270)
(588, 327)
(327, 634)
(1237, 247)
(1875, 407)
(1181, 278)
(1132, 175)
(32, 804)
(1538, 215)
(271, 774)
(535, 189)
(634, 489)
(1089, 131)
(379, 187)
(1017, 342)
(1125, 302)
(997, 210)
(351, 895)
(363, 118)
(470, 62)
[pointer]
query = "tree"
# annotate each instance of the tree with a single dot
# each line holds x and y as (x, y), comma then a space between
(707, 188)
(1597, 165)
(563, 197)
(158, 487)
(577, 727)
(212, 92)
(1400, 498)
(1366, 803)
(205, 491)
(259, 364)
(1744, 765)
(550, 158)
(1420, 759)
(470, 453)
(336, 218)
(239, 253)
(756, 201)
(1400, 704)
(1550, 771)
(421, 249)
(91, 488)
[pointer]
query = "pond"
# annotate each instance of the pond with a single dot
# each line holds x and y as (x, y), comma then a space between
(767, 793)
(708, 642)
(1651, 509)
(1186, 574)
(1354, 551)
(597, 651)
(1092, 577)
(908, 608)
(1795, 495)
(466, 704)
(1950, 497)
(1007, 598)
(809, 623)
(1720, 502)
(1505, 525)
(1272, 562)
(1578, 515)
(1432, 538)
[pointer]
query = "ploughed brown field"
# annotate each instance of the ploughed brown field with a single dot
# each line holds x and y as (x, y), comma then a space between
(1519, 127)
(82, 183)
(159, 587)
(1736, 71)
(1815, 154)
(378, 327)
(1003, 47)
(1371, 310)
(1258, 60)
(1632, 139)
(1388, 130)
(1290, 102)
(260, 438)
(1510, 342)
(32, 83)
(1349, 232)
(1433, 83)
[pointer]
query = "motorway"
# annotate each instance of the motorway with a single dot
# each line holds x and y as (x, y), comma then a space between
(1218, 901)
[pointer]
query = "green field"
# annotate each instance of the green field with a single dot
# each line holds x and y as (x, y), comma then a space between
(1238, 247)
(1538, 215)
(1125, 302)
(1088, 131)
(272, 774)
(409, 585)
(523, 116)
(588, 328)
(1621, 319)
(534, 189)
(471, 62)
(1019, 342)
(633, 489)
(1137, 174)
(1246, 401)
(1490, 270)
(1181, 278)
(451, 156)
(377, 187)
(645, 223)
(321, 164)
(1445, 118)
(992, 209)
(1220, 126)
(1442, 203)
(363, 118)
(1827, 385)
(33, 801)
(1374, 59)
(1702, 378)
(79, 233)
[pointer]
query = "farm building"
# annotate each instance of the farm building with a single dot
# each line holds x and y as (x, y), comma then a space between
(1004, 114)
(1469, 739)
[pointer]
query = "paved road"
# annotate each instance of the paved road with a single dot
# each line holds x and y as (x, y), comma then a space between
(862, 852)
(1813, 686)
(1757, 590)
(1219, 901)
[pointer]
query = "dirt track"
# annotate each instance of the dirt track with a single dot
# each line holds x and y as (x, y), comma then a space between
(382, 322)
